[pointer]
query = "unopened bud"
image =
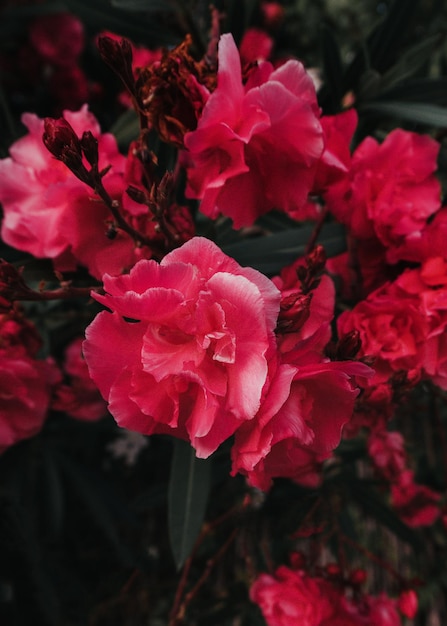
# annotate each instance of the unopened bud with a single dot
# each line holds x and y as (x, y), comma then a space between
(333, 570)
(348, 346)
(61, 140)
(408, 603)
(297, 560)
(59, 137)
(89, 145)
(118, 56)
(358, 577)
(136, 194)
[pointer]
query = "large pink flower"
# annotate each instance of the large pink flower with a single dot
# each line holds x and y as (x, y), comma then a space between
(186, 347)
(403, 324)
(49, 213)
(256, 146)
(390, 190)
(299, 424)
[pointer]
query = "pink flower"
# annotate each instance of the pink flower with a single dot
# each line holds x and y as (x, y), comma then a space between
(403, 324)
(49, 213)
(390, 190)
(79, 398)
(186, 347)
(256, 147)
(255, 45)
(417, 505)
(25, 382)
(336, 159)
(58, 38)
(387, 452)
(299, 423)
(292, 597)
(408, 603)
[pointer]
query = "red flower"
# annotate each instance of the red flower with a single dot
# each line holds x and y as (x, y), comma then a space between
(417, 505)
(256, 147)
(79, 398)
(390, 190)
(187, 345)
(25, 382)
(58, 38)
(50, 213)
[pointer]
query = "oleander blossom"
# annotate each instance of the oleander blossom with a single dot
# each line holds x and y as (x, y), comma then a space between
(390, 191)
(309, 398)
(295, 597)
(185, 349)
(78, 396)
(403, 325)
(50, 213)
(257, 145)
(25, 382)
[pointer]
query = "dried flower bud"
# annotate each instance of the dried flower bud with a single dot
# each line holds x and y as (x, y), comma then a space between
(59, 137)
(89, 145)
(118, 56)
(309, 274)
(136, 194)
(12, 285)
(61, 140)
(348, 346)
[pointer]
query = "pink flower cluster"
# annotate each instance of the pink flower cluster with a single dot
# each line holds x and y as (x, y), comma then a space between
(403, 325)
(50, 213)
(195, 355)
(26, 382)
(294, 597)
(256, 146)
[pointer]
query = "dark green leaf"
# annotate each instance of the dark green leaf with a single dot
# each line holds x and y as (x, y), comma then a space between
(419, 112)
(434, 90)
(144, 5)
(380, 49)
(94, 496)
(126, 128)
(271, 253)
(332, 70)
(141, 28)
(187, 498)
(410, 61)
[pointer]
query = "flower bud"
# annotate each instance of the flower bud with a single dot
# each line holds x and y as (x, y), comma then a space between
(408, 603)
(61, 140)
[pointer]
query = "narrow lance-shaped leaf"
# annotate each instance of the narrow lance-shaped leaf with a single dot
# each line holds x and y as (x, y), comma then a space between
(428, 114)
(188, 494)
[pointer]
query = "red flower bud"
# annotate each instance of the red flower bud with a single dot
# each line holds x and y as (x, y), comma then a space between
(408, 603)
(358, 577)
(61, 140)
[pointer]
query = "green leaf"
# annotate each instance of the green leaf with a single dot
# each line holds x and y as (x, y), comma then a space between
(271, 253)
(434, 90)
(380, 49)
(126, 128)
(332, 70)
(419, 112)
(411, 61)
(144, 5)
(187, 498)
(139, 27)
